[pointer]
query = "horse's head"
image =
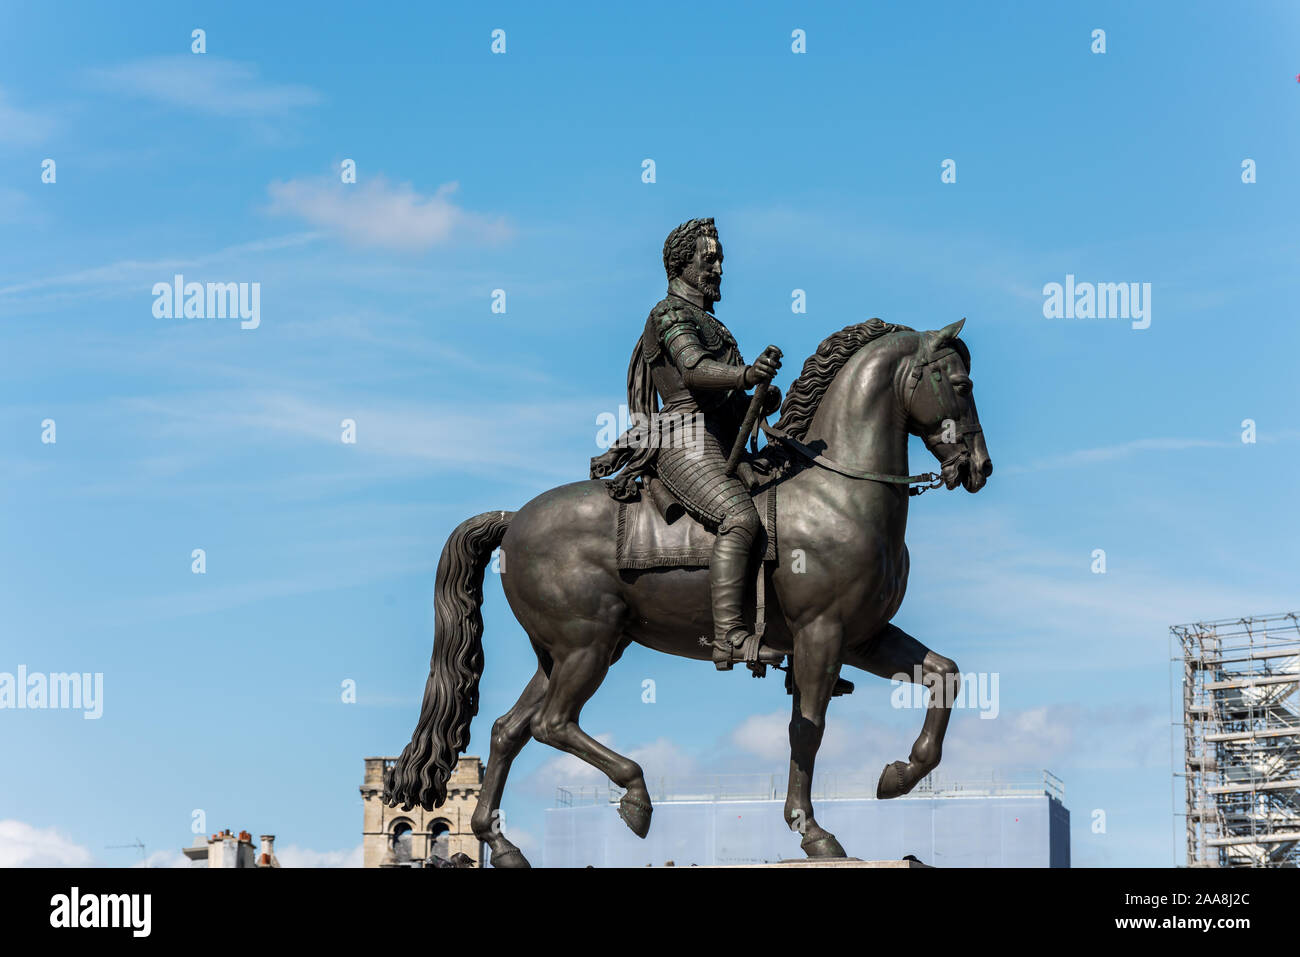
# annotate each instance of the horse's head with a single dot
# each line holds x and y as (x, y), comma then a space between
(940, 402)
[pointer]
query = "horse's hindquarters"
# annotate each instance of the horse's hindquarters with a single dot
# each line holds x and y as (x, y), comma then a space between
(558, 563)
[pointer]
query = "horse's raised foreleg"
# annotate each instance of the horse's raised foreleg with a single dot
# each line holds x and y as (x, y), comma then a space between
(816, 665)
(574, 679)
(510, 733)
(896, 654)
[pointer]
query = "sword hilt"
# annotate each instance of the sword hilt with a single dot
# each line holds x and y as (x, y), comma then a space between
(751, 416)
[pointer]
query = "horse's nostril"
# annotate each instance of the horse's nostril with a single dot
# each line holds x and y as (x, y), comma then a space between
(987, 468)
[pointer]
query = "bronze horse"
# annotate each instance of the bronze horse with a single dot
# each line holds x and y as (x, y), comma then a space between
(856, 401)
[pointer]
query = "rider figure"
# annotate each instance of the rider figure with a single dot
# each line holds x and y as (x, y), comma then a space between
(695, 368)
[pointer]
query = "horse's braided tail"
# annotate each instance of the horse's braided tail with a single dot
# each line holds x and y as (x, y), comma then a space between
(451, 693)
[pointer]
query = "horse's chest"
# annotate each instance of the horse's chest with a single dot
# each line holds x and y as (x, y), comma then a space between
(841, 548)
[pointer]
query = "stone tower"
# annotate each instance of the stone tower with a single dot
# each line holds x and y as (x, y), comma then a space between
(392, 837)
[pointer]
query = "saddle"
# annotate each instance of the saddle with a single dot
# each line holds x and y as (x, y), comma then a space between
(655, 531)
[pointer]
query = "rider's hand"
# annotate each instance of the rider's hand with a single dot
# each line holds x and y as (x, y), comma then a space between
(765, 367)
(772, 401)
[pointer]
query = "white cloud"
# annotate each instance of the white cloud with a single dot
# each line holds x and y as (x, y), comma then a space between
(22, 845)
(21, 127)
(765, 736)
(526, 841)
(1064, 619)
(375, 213)
(1017, 744)
(122, 272)
(1065, 739)
(1109, 453)
(138, 273)
(291, 855)
(16, 206)
(167, 858)
(207, 84)
(661, 757)
(566, 769)
(500, 435)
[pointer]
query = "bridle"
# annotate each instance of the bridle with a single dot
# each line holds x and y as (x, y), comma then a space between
(920, 483)
(923, 482)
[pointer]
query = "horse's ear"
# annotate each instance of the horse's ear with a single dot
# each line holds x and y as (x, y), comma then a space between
(949, 332)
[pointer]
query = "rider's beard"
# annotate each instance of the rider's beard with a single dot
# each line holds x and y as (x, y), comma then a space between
(712, 290)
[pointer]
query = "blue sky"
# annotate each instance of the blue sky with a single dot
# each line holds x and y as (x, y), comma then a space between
(523, 172)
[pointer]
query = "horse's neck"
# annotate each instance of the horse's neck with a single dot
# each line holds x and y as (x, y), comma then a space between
(860, 419)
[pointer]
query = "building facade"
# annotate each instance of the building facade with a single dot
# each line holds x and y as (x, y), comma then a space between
(392, 837)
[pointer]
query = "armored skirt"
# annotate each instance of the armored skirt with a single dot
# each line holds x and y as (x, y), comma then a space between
(696, 473)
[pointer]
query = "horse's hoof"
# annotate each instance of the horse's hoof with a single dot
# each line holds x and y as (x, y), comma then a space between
(894, 781)
(635, 815)
(822, 844)
(512, 857)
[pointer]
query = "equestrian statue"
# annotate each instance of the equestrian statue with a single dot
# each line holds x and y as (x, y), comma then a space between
(686, 542)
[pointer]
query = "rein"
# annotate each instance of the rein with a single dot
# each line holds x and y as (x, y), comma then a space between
(924, 481)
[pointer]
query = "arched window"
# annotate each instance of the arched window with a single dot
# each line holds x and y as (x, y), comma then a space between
(402, 835)
(440, 839)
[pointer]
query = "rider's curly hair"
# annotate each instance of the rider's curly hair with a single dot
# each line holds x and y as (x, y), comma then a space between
(679, 247)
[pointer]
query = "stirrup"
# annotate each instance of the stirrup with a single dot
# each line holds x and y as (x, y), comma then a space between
(756, 655)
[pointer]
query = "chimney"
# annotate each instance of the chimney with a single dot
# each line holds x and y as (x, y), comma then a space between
(267, 858)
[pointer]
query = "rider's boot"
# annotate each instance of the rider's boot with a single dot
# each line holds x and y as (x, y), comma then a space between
(728, 568)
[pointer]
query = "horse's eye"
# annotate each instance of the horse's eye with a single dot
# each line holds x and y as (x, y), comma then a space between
(962, 387)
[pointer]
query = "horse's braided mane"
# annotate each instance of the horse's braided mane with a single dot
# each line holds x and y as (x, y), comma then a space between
(821, 367)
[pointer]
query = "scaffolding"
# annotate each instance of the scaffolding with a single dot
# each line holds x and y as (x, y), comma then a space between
(1240, 689)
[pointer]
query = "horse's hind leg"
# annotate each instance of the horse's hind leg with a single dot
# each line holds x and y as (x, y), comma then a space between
(896, 654)
(575, 675)
(510, 733)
